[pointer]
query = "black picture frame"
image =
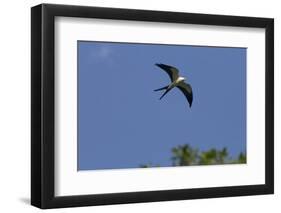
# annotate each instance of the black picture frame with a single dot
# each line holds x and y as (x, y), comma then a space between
(43, 113)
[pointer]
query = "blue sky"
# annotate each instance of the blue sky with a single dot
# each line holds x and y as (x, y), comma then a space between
(123, 124)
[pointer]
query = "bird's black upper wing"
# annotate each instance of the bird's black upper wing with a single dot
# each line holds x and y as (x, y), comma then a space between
(171, 71)
(187, 91)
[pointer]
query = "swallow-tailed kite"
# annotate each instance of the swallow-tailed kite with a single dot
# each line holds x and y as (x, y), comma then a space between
(176, 81)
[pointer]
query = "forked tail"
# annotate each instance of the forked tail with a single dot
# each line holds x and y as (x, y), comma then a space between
(165, 93)
(162, 88)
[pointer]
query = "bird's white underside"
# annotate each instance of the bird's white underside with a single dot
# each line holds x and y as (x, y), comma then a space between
(177, 81)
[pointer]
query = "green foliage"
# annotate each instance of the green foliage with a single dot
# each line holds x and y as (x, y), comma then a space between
(148, 165)
(185, 155)
(213, 156)
(242, 158)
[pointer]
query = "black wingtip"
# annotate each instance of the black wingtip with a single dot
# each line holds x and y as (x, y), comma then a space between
(190, 103)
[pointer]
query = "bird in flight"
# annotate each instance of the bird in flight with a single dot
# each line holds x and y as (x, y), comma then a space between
(176, 81)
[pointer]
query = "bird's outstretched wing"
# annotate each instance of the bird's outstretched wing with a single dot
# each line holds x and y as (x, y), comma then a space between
(171, 71)
(187, 91)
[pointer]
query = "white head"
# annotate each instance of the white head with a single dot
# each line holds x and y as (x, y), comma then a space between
(181, 78)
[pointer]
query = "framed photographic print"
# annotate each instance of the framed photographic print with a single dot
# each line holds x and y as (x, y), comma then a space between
(139, 106)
